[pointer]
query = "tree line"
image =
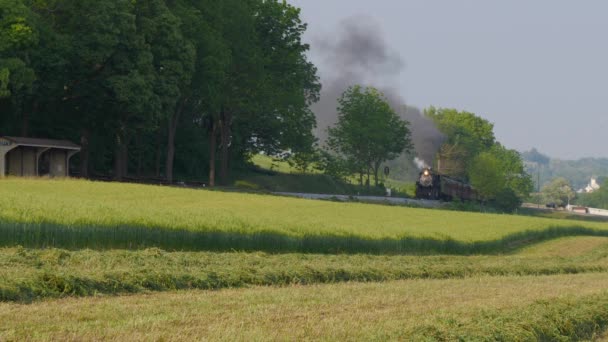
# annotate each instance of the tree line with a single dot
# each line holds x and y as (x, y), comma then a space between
(158, 87)
(193, 88)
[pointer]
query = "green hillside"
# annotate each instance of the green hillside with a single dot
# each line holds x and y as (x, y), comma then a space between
(578, 172)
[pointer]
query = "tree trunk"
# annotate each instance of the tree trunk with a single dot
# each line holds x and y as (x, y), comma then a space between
(140, 154)
(25, 118)
(226, 121)
(376, 167)
(173, 120)
(159, 140)
(24, 124)
(118, 162)
(124, 154)
(212, 149)
(85, 136)
(121, 156)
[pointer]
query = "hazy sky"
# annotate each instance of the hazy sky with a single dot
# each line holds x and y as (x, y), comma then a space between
(537, 69)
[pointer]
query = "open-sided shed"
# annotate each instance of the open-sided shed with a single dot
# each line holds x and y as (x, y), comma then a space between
(35, 157)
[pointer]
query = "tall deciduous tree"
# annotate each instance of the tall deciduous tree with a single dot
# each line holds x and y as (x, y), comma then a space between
(499, 175)
(108, 75)
(290, 83)
(368, 131)
(18, 37)
(262, 83)
(234, 70)
(558, 191)
(486, 176)
(173, 67)
(467, 136)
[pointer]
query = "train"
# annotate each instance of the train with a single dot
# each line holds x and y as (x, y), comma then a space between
(432, 185)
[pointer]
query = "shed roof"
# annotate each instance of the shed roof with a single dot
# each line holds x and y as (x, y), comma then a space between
(48, 143)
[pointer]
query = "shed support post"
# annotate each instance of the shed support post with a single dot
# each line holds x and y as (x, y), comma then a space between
(69, 156)
(2, 163)
(39, 153)
(3, 152)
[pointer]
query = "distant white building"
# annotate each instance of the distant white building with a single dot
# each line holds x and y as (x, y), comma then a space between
(592, 186)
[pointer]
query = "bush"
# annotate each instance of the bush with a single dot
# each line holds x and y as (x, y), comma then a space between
(246, 185)
(507, 201)
(465, 206)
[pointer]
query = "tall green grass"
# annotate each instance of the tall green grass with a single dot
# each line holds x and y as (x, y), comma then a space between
(75, 214)
(49, 235)
(74, 203)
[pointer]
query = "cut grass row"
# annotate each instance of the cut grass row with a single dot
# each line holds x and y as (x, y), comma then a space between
(28, 275)
(571, 307)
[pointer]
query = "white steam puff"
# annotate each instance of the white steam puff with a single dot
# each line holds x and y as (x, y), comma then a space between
(421, 164)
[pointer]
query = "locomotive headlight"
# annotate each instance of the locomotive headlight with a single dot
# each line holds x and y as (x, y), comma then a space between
(426, 172)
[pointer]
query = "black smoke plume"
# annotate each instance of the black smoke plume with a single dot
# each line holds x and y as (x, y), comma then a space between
(358, 54)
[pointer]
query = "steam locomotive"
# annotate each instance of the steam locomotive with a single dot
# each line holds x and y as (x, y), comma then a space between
(434, 186)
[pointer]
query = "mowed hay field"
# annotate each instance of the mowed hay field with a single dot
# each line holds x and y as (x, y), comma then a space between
(104, 261)
(526, 308)
(529, 308)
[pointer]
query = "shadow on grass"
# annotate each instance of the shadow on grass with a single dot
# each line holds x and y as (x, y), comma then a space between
(48, 235)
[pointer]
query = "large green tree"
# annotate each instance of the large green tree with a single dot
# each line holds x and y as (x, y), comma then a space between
(486, 176)
(467, 135)
(290, 83)
(558, 191)
(19, 36)
(106, 92)
(258, 82)
(368, 131)
(471, 152)
(173, 67)
(499, 175)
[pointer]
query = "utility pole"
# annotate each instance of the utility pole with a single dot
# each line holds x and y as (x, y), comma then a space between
(538, 185)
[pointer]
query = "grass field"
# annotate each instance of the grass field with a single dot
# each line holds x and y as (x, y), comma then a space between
(133, 262)
(286, 178)
(484, 308)
(78, 214)
(269, 163)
